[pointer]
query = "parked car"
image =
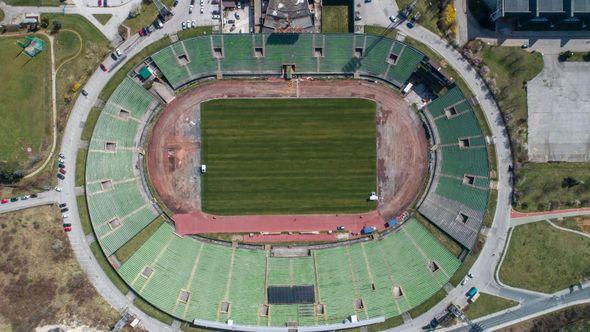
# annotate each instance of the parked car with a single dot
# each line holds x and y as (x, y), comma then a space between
(340, 228)
(64, 210)
(67, 224)
(34, 196)
(175, 3)
(237, 15)
(118, 51)
(150, 29)
(65, 215)
(103, 67)
(215, 16)
(140, 32)
(202, 10)
(25, 197)
(4, 201)
(62, 171)
(84, 93)
(114, 56)
(194, 24)
(61, 160)
(394, 19)
(183, 25)
(67, 229)
(60, 176)
(14, 199)
(190, 9)
(239, 5)
(61, 166)
(58, 189)
(63, 205)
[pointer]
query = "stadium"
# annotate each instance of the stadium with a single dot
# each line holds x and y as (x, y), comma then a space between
(334, 127)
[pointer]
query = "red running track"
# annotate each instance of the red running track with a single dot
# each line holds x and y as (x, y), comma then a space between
(202, 223)
(276, 238)
(516, 214)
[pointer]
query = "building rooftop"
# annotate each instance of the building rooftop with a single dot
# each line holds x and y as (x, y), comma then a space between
(516, 6)
(550, 6)
(291, 15)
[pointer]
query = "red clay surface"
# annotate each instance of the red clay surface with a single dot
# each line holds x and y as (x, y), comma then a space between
(276, 238)
(173, 156)
(515, 214)
(200, 222)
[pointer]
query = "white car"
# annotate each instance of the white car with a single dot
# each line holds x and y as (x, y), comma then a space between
(394, 19)
(183, 25)
(190, 9)
(201, 2)
(215, 16)
(188, 24)
(118, 51)
(58, 189)
(194, 23)
(62, 155)
(202, 10)
(60, 160)
(464, 281)
(65, 215)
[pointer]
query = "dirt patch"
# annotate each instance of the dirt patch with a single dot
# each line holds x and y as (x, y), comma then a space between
(401, 141)
(42, 282)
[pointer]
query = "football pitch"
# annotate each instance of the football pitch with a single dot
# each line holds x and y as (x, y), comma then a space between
(288, 156)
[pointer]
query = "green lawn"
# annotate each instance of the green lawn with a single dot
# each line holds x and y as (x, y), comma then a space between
(147, 15)
(426, 305)
(543, 258)
(335, 18)
(131, 246)
(153, 311)
(95, 47)
(509, 69)
(282, 156)
(25, 99)
(429, 11)
(578, 223)
(102, 18)
(540, 186)
(81, 167)
(487, 304)
(90, 123)
(108, 269)
(67, 44)
(84, 215)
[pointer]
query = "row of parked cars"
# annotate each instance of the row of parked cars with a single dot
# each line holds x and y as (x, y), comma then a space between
(63, 207)
(16, 199)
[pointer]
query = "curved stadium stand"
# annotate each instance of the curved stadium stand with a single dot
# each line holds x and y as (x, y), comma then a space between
(196, 280)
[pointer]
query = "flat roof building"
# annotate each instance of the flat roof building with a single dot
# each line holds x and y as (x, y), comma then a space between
(288, 16)
(562, 14)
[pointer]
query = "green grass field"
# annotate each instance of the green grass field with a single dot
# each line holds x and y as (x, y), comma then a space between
(102, 18)
(335, 19)
(540, 186)
(487, 304)
(26, 104)
(543, 258)
(288, 156)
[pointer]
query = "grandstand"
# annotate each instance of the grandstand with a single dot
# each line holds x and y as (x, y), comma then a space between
(457, 199)
(117, 209)
(190, 278)
(171, 271)
(310, 54)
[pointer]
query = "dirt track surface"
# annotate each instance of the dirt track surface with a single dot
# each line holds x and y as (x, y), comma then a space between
(173, 153)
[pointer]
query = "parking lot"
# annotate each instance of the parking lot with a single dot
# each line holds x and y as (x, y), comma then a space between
(201, 13)
(237, 20)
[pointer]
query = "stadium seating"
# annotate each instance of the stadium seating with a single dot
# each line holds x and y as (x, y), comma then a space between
(343, 275)
(117, 209)
(462, 158)
(246, 54)
(189, 278)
